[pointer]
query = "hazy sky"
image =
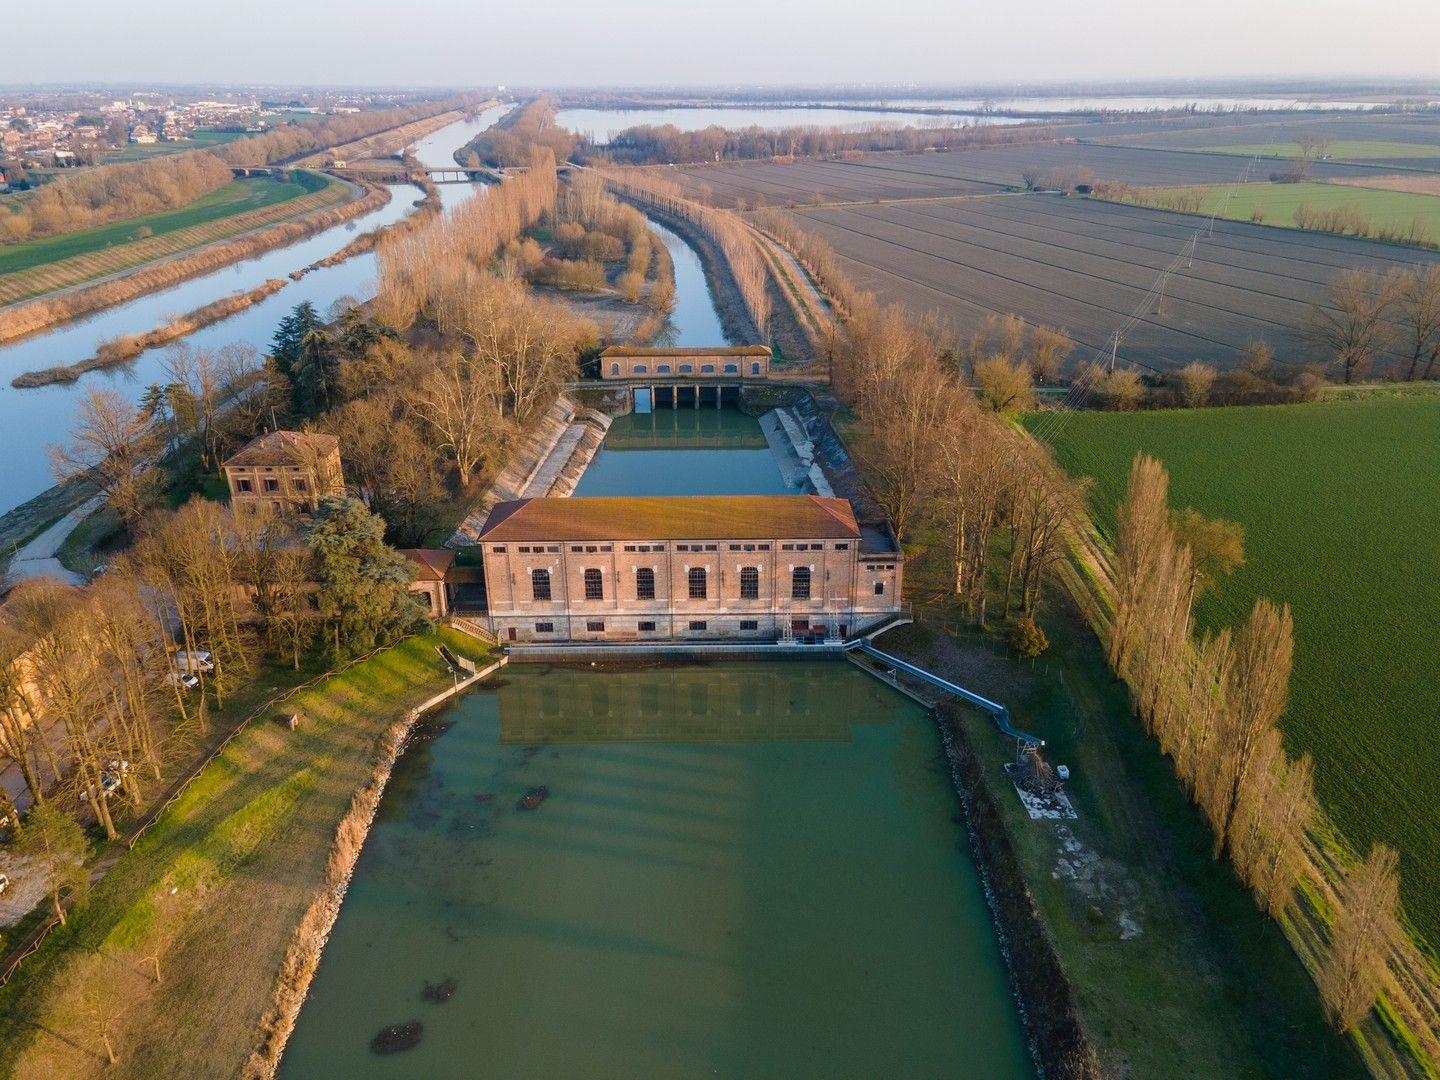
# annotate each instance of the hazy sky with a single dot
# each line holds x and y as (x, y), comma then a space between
(628, 42)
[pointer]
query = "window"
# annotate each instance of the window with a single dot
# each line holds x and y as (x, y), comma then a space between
(663, 369)
(640, 369)
(647, 627)
(842, 547)
(749, 583)
(614, 369)
(594, 586)
(544, 627)
(271, 484)
(300, 485)
(244, 485)
(697, 624)
(686, 369)
(644, 583)
(697, 583)
(595, 626)
(754, 369)
(712, 547)
(749, 624)
(499, 550)
(879, 588)
(787, 547)
(732, 369)
(540, 584)
(800, 583)
(707, 369)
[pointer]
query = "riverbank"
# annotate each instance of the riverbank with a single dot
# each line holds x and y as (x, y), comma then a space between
(22, 320)
(210, 897)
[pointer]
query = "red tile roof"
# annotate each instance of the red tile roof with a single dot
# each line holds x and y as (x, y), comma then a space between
(285, 448)
(431, 564)
(719, 350)
(689, 517)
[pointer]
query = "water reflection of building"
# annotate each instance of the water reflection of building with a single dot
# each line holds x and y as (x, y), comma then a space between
(673, 705)
(750, 567)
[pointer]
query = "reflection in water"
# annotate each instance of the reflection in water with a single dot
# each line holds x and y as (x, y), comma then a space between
(682, 906)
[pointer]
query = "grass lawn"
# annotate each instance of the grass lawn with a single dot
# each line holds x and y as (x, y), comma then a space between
(1342, 150)
(236, 197)
(1278, 203)
(1341, 506)
(214, 889)
(1198, 983)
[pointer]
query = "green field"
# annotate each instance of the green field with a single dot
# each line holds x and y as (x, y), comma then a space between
(1341, 507)
(200, 139)
(1341, 150)
(236, 197)
(1277, 203)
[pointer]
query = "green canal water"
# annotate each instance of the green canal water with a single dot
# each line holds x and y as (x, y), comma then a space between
(684, 452)
(741, 870)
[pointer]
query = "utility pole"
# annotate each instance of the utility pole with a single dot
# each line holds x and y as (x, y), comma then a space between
(1114, 348)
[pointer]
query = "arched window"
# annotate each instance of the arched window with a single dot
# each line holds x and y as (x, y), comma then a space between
(800, 583)
(686, 369)
(749, 583)
(732, 369)
(697, 583)
(641, 369)
(707, 369)
(594, 586)
(540, 584)
(614, 369)
(644, 583)
(755, 368)
(663, 369)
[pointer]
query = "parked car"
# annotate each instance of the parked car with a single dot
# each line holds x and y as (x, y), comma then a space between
(194, 661)
(4, 883)
(109, 782)
(183, 679)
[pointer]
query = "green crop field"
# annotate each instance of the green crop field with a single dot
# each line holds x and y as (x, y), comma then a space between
(1277, 203)
(1341, 150)
(1341, 507)
(236, 197)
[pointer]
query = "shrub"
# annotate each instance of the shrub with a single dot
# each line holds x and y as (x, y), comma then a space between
(1027, 639)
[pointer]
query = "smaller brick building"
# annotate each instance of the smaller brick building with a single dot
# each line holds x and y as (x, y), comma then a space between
(741, 364)
(287, 472)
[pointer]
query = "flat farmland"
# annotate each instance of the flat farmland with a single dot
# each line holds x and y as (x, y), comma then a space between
(885, 177)
(1402, 141)
(1341, 507)
(1086, 265)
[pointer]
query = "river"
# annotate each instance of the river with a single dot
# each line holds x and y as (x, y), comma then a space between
(33, 419)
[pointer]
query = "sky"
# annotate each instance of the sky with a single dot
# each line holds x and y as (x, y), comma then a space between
(704, 42)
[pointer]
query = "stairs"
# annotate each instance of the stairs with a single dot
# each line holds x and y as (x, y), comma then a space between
(475, 629)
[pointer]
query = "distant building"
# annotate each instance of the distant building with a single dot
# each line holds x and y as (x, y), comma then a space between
(286, 471)
(760, 567)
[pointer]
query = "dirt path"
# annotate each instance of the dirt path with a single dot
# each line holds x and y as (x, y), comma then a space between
(41, 555)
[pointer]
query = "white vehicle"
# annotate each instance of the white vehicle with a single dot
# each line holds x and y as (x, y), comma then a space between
(4, 883)
(196, 661)
(109, 782)
(183, 679)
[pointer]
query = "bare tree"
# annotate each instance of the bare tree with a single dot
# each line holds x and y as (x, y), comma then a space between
(1003, 384)
(1417, 293)
(1195, 380)
(1049, 349)
(113, 448)
(1351, 331)
(1362, 928)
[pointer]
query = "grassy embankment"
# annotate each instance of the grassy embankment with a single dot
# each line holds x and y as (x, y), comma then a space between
(40, 266)
(1276, 204)
(215, 889)
(1208, 986)
(1339, 502)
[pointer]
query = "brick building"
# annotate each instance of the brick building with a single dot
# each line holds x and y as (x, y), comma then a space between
(287, 471)
(764, 567)
(744, 363)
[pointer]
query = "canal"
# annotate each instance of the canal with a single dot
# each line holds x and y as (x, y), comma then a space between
(32, 419)
(741, 869)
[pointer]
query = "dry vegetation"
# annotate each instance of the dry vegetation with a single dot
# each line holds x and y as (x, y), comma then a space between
(511, 141)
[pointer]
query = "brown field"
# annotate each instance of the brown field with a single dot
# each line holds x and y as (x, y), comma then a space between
(884, 177)
(1086, 265)
(1415, 183)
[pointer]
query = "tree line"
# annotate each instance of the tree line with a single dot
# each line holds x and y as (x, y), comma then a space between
(510, 142)
(302, 137)
(89, 197)
(649, 144)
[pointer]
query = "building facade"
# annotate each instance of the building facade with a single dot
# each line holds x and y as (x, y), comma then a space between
(763, 568)
(286, 472)
(741, 364)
